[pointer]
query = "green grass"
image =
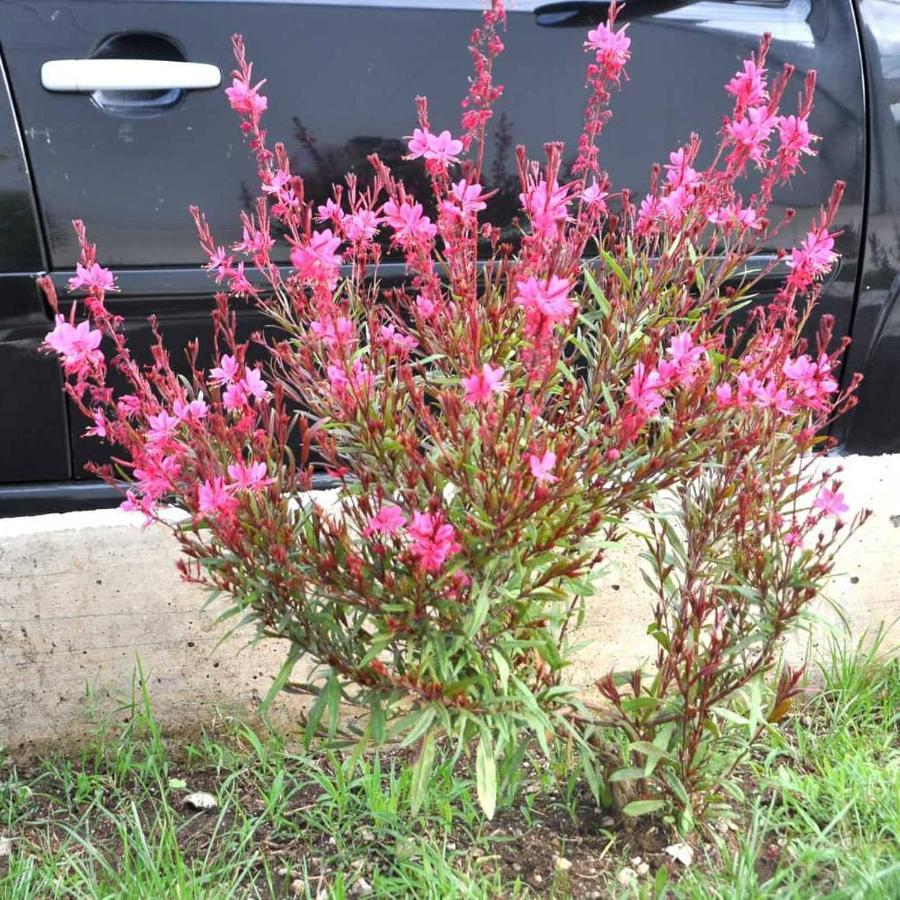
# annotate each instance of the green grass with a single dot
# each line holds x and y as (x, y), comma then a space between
(828, 811)
(822, 819)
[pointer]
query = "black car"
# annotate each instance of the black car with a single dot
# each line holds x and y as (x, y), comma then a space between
(129, 157)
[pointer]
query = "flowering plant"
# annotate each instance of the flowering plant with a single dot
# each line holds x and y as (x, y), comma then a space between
(494, 424)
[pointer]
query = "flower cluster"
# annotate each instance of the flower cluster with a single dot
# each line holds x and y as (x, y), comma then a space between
(493, 422)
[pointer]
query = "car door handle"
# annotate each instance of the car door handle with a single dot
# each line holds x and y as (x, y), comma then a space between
(88, 75)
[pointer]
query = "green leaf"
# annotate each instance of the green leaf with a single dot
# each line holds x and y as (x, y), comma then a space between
(421, 772)
(479, 613)
(642, 807)
(627, 774)
(281, 678)
(423, 719)
(597, 291)
(486, 776)
(502, 669)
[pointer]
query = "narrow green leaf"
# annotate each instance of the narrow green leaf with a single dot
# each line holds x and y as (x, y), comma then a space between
(421, 772)
(486, 776)
(281, 678)
(642, 807)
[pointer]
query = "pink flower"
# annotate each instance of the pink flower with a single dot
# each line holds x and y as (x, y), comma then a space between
(133, 503)
(334, 332)
(397, 341)
(831, 503)
(418, 143)
(648, 215)
(99, 428)
(812, 381)
(748, 87)
(465, 199)
(246, 99)
(318, 260)
(795, 134)
(812, 258)
(643, 389)
(254, 243)
(546, 205)
(156, 475)
(549, 299)
(685, 355)
(611, 48)
(226, 371)
(425, 307)
(95, 277)
(330, 211)
(592, 195)
(213, 497)
(361, 227)
(432, 540)
(679, 173)
(441, 148)
(751, 134)
(161, 427)
(127, 405)
(675, 205)
(388, 520)
(733, 215)
(724, 395)
(248, 477)
(409, 225)
(480, 387)
(773, 396)
(276, 182)
(253, 383)
(78, 345)
(542, 466)
(195, 410)
(344, 384)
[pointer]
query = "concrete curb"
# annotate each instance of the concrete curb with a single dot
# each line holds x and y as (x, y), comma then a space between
(83, 595)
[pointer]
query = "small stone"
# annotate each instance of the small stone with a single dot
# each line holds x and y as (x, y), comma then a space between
(684, 853)
(537, 879)
(5, 846)
(643, 869)
(362, 888)
(636, 860)
(297, 887)
(562, 864)
(281, 871)
(607, 822)
(627, 876)
(517, 867)
(451, 846)
(200, 800)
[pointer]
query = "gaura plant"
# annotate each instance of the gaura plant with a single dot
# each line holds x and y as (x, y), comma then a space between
(494, 424)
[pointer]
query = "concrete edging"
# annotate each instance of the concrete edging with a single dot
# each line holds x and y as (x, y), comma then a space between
(83, 594)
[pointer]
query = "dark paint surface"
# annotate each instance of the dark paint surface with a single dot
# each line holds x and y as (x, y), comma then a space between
(341, 82)
(874, 425)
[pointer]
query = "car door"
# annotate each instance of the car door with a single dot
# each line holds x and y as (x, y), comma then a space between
(341, 81)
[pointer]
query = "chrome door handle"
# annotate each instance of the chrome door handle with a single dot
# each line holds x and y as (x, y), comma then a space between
(88, 75)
